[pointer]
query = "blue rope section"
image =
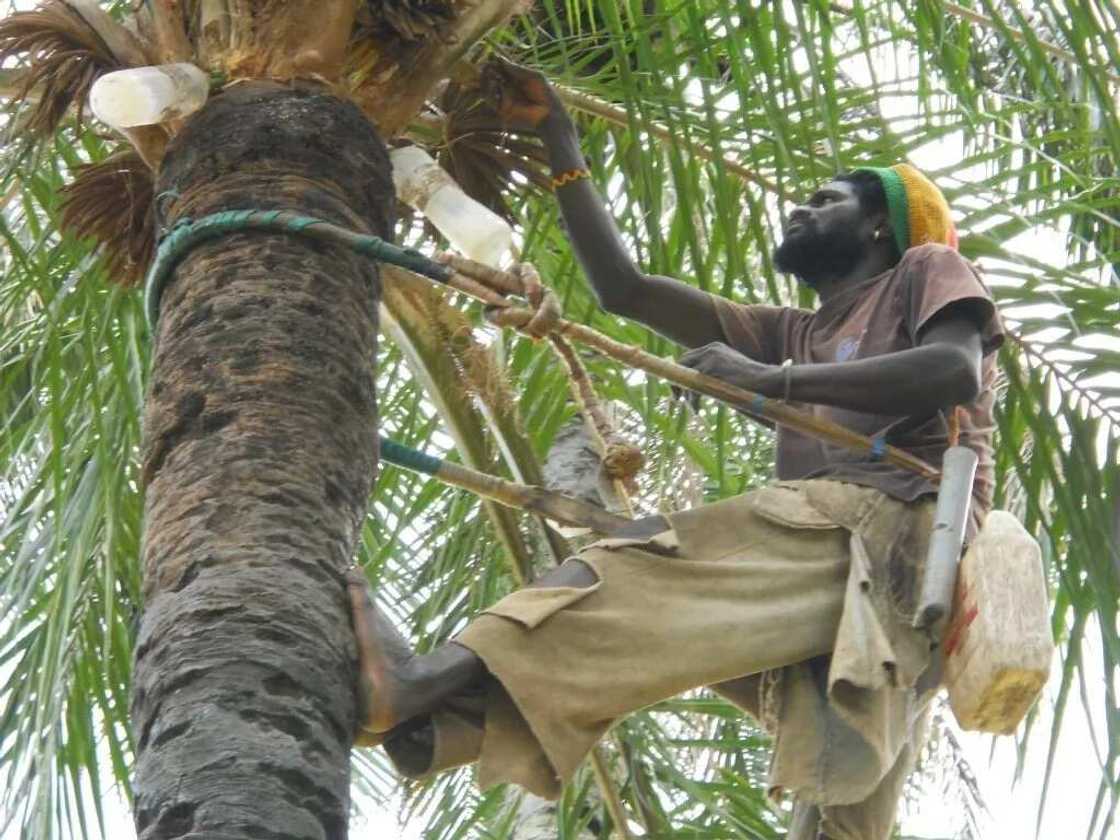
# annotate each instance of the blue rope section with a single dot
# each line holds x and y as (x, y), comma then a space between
(878, 448)
(188, 233)
(410, 459)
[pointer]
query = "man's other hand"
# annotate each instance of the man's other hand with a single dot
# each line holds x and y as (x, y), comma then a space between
(721, 362)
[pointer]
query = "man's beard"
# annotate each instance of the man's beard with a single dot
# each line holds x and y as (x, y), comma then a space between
(814, 257)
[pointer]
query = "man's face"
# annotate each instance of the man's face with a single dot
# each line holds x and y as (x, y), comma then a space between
(826, 236)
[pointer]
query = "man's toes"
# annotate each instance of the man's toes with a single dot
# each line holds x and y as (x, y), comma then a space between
(361, 599)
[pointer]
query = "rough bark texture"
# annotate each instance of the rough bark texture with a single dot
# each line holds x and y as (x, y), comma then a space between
(260, 450)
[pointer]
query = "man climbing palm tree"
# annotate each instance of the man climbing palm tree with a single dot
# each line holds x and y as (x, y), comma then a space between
(795, 600)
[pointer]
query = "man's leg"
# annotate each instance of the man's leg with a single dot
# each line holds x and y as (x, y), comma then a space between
(397, 684)
(733, 588)
(875, 816)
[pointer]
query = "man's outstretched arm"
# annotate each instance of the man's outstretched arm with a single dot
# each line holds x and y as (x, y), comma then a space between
(674, 309)
(943, 370)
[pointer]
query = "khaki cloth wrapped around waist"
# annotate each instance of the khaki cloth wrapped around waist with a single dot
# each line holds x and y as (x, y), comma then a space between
(841, 722)
(732, 596)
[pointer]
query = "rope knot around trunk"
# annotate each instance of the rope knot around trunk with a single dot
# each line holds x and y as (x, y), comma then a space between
(522, 280)
(546, 306)
(622, 460)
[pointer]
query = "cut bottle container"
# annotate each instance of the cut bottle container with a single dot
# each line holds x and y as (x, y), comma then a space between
(148, 95)
(476, 231)
(999, 646)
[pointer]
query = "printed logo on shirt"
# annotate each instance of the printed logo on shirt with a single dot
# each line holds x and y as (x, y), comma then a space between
(848, 347)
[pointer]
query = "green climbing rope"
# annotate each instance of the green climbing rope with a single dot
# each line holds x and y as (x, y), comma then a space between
(187, 233)
(409, 458)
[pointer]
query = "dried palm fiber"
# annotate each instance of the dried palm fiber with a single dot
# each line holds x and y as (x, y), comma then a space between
(621, 459)
(64, 56)
(406, 20)
(479, 373)
(387, 32)
(481, 376)
(112, 202)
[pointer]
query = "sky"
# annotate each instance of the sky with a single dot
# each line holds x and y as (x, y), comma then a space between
(1013, 804)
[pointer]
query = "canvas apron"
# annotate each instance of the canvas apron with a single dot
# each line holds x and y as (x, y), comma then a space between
(793, 601)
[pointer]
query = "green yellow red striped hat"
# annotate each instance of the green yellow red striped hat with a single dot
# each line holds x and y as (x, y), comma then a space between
(918, 211)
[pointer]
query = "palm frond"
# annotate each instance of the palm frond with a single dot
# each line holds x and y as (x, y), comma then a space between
(407, 20)
(113, 203)
(62, 55)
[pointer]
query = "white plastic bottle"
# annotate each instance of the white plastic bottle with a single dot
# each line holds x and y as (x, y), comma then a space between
(148, 95)
(471, 228)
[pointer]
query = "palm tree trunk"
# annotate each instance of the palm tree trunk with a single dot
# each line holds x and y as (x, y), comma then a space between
(260, 451)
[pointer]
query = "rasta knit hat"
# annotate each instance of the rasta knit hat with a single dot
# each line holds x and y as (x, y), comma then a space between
(917, 209)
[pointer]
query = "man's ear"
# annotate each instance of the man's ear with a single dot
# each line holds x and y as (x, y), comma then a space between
(880, 227)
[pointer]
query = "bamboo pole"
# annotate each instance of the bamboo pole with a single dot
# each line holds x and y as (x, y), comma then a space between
(505, 313)
(588, 104)
(563, 509)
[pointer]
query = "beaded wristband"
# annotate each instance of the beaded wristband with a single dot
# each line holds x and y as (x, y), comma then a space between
(570, 176)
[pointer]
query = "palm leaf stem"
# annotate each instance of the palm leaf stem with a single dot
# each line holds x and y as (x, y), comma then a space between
(610, 793)
(408, 319)
(971, 16)
(563, 508)
(589, 104)
(962, 13)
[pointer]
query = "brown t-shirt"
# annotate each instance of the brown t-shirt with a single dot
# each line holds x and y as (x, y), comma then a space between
(884, 314)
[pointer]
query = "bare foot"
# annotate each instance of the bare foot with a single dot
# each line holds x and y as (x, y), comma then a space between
(383, 659)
